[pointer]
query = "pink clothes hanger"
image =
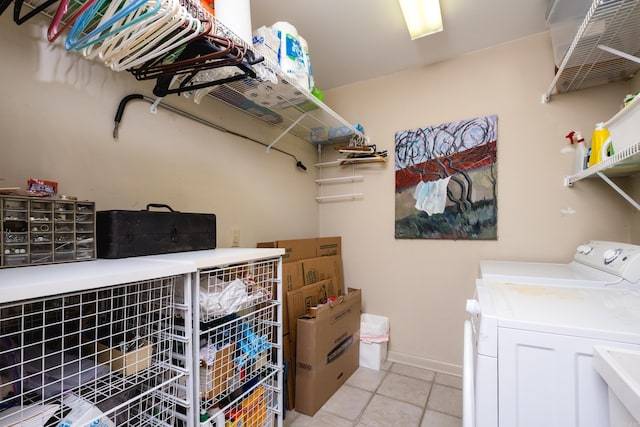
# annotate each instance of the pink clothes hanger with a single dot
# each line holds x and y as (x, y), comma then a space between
(53, 32)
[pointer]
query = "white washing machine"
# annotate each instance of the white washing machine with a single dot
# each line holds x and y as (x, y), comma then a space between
(529, 343)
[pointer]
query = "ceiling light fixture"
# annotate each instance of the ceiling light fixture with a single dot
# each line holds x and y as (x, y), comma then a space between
(422, 17)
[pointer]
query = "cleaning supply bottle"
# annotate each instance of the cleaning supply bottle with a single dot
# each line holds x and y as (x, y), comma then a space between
(598, 138)
(581, 152)
(204, 420)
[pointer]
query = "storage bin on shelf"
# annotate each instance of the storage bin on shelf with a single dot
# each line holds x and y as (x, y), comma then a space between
(36, 230)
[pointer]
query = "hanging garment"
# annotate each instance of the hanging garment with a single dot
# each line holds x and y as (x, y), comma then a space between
(431, 196)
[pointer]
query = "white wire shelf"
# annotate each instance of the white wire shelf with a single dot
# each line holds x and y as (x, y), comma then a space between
(270, 97)
(603, 49)
(623, 163)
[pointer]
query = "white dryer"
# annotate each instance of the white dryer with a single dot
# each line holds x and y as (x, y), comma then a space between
(529, 343)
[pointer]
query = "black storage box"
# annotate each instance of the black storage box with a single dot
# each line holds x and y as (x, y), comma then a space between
(122, 234)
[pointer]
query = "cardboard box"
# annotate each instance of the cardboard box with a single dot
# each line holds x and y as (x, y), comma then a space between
(328, 246)
(214, 379)
(298, 249)
(127, 363)
(313, 270)
(291, 375)
(305, 272)
(294, 250)
(327, 351)
(291, 280)
(299, 301)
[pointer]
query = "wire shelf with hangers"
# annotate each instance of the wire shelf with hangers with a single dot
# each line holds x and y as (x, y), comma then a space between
(189, 52)
(356, 152)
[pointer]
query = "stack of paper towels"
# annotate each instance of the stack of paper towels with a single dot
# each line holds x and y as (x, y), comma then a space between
(281, 44)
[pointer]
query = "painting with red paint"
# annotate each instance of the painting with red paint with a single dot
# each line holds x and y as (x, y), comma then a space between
(446, 181)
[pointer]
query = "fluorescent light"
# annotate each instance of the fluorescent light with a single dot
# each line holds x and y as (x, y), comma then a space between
(422, 17)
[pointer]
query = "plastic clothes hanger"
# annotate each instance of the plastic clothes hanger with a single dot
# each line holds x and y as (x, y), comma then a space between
(18, 6)
(140, 15)
(194, 54)
(112, 45)
(54, 30)
(194, 29)
(195, 11)
(144, 40)
(116, 47)
(4, 4)
(80, 25)
(195, 81)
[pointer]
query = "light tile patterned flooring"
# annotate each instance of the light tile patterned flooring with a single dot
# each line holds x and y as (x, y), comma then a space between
(398, 395)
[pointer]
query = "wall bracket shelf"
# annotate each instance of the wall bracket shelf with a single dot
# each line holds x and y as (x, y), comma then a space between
(623, 163)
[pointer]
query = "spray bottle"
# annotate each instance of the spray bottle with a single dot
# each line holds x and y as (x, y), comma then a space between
(577, 140)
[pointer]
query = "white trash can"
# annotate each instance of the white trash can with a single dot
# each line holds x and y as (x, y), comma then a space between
(374, 336)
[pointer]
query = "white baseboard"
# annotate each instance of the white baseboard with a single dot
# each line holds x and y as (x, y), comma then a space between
(421, 362)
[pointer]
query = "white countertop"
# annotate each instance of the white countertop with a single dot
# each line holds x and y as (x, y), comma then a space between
(217, 257)
(20, 283)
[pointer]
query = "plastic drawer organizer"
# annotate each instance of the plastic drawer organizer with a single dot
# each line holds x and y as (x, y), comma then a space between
(104, 353)
(45, 231)
(240, 373)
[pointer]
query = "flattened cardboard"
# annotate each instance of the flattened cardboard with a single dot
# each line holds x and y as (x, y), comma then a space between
(299, 301)
(298, 249)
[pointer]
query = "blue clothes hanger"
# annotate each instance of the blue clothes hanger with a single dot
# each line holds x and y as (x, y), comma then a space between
(86, 18)
(86, 41)
(54, 30)
(81, 44)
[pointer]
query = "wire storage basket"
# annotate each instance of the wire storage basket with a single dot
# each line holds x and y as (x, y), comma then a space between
(101, 355)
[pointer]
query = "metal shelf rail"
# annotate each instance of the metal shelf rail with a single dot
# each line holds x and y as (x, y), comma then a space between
(604, 49)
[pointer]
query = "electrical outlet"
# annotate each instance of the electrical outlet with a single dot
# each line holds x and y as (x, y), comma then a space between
(235, 238)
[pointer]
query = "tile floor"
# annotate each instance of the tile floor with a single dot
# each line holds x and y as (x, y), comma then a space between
(398, 395)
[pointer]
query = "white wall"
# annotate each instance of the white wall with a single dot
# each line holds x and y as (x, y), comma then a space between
(422, 285)
(57, 117)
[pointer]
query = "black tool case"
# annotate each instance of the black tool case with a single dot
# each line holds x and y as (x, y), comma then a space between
(121, 233)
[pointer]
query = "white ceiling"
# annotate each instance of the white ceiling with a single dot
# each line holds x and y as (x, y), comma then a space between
(354, 40)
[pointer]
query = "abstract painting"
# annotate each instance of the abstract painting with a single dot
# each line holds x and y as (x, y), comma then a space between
(446, 181)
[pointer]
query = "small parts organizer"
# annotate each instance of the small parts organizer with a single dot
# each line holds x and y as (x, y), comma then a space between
(101, 354)
(45, 231)
(238, 359)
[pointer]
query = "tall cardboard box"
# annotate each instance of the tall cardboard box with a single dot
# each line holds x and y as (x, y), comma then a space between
(327, 352)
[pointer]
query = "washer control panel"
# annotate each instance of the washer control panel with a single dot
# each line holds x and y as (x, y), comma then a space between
(621, 259)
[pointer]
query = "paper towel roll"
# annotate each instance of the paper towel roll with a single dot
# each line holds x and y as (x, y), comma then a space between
(290, 51)
(305, 77)
(236, 16)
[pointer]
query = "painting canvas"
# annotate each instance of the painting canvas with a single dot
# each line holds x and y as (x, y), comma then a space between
(446, 181)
